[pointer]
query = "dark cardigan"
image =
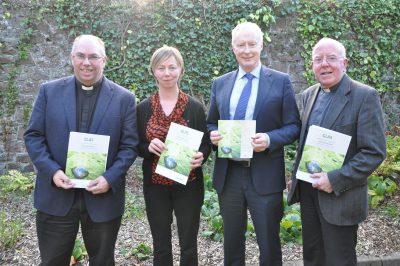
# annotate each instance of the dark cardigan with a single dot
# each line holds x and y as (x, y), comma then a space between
(195, 118)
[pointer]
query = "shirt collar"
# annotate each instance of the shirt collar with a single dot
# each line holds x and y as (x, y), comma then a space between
(95, 86)
(255, 72)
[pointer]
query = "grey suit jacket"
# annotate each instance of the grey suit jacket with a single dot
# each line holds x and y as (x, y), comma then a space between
(356, 111)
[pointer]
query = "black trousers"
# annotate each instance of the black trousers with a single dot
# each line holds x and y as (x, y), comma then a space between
(185, 202)
(57, 235)
(266, 212)
(324, 243)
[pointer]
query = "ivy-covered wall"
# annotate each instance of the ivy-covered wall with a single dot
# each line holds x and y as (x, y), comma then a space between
(36, 37)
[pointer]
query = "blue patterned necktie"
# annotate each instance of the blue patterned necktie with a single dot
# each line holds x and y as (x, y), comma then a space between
(241, 107)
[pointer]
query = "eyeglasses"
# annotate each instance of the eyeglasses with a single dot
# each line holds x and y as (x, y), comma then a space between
(243, 46)
(92, 58)
(328, 60)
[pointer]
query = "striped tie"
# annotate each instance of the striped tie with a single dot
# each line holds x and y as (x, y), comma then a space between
(241, 107)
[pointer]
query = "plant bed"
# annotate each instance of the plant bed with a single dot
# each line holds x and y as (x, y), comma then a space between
(377, 236)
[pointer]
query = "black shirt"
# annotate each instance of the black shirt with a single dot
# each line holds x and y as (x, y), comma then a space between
(86, 101)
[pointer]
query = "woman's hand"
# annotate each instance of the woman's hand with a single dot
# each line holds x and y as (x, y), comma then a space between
(196, 161)
(157, 146)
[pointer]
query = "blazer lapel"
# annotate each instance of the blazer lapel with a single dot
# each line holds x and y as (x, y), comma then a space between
(226, 94)
(340, 99)
(307, 110)
(264, 88)
(106, 94)
(69, 101)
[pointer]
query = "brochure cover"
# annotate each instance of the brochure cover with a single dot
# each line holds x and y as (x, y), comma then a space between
(86, 158)
(236, 138)
(182, 143)
(324, 151)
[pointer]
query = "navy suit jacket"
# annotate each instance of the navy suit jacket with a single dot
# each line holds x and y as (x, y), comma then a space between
(275, 113)
(46, 138)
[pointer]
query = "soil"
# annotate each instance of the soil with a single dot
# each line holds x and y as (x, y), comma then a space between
(377, 236)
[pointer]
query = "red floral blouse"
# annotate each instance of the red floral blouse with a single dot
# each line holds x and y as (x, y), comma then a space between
(158, 126)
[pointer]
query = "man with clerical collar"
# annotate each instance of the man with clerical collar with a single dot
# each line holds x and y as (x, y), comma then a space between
(86, 102)
(337, 201)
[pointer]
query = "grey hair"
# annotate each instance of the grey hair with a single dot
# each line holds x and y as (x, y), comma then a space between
(338, 45)
(247, 26)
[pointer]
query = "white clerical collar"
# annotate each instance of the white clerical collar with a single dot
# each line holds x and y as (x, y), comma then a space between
(87, 88)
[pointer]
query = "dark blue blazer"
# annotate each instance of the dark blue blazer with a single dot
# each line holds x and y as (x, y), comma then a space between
(275, 113)
(46, 138)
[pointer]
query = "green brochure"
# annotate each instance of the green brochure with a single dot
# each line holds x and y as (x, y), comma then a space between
(323, 151)
(236, 138)
(86, 158)
(182, 143)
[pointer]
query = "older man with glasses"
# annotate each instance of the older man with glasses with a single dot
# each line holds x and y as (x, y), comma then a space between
(86, 102)
(336, 201)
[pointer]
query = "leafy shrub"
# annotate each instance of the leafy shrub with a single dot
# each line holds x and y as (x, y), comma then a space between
(290, 154)
(384, 181)
(79, 252)
(379, 188)
(142, 251)
(211, 213)
(10, 231)
(15, 181)
(390, 168)
(290, 231)
(250, 229)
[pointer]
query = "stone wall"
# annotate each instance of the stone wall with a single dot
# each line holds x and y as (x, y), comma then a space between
(48, 59)
(283, 53)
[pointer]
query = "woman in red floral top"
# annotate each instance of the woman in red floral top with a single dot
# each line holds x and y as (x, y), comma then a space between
(164, 196)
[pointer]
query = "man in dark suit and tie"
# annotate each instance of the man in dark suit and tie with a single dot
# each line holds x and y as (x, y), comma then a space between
(253, 92)
(337, 201)
(90, 103)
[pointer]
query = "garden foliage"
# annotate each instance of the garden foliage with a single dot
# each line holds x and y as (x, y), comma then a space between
(201, 30)
(369, 31)
(386, 179)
